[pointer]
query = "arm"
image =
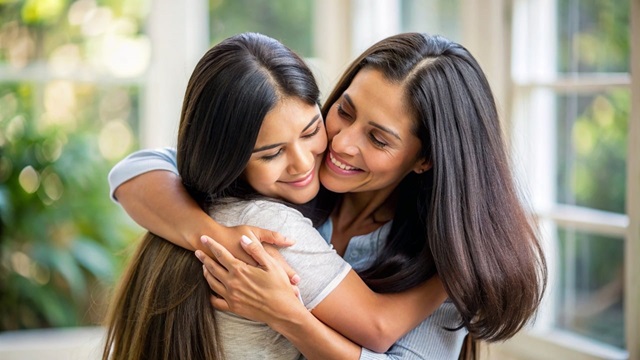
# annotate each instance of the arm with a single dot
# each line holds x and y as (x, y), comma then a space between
(372, 320)
(310, 336)
(148, 187)
(431, 339)
(377, 321)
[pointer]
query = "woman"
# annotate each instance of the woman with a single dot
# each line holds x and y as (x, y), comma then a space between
(413, 97)
(236, 150)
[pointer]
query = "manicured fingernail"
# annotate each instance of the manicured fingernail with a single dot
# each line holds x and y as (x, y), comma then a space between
(245, 240)
(204, 239)
(295, 279)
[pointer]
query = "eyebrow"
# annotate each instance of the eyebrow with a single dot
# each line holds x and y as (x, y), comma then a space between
(271, 146)
(374, 124)
(385, 129)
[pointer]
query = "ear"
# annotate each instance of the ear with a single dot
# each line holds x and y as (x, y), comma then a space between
(422, 165)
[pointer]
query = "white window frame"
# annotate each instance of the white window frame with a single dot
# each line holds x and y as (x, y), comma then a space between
(179, 35)
(496, 20)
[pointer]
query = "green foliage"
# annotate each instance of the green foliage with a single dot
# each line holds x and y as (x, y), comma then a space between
(600, 138)
(60, 234)
(593, 36)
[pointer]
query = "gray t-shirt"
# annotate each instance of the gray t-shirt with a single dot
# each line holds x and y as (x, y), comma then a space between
(319, 266)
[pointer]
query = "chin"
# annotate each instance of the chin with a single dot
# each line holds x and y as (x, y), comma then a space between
(309, 195)
(333, 185)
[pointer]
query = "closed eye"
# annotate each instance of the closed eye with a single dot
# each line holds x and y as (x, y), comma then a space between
(376, 142)
(272, 156)
(342, 112)
(315, 132)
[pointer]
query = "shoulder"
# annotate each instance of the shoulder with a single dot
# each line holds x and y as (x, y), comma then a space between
(263, 213)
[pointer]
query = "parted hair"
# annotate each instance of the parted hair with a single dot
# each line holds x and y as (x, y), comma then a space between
(464, 219)
(161, 309)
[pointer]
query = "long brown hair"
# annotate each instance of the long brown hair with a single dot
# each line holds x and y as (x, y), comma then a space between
(161, 309)
(464, 218)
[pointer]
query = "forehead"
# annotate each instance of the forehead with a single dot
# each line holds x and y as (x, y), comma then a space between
(289, 115)
(378, 98)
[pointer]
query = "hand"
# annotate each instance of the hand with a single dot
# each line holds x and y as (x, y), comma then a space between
(261, 293)
(271, 241)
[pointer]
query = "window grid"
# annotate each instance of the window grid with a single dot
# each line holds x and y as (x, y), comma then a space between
(536, 88)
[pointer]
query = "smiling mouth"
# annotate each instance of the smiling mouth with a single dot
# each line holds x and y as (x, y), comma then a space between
(342, 166)
(301, 182)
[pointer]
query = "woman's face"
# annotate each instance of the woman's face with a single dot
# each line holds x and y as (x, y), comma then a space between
(288, 152)
(371, 143)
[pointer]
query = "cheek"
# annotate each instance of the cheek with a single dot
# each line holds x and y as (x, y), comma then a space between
(258, 175)
(331, 123)
(320, 145)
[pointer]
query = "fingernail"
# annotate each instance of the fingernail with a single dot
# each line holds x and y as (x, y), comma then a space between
(199, 255)
(245, 240)
(204, 239)
(295, 279)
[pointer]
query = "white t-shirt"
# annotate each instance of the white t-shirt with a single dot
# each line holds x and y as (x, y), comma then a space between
(320, 268)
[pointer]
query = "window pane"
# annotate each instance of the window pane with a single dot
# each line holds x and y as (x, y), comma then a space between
(592, 146)
(593, 36)
(289, 21)
(440, 17)
(590, 292)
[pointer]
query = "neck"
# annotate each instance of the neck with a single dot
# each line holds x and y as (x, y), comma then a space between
(364, 210)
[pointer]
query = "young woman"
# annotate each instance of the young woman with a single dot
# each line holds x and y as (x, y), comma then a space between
(238, 150)
(418, 183)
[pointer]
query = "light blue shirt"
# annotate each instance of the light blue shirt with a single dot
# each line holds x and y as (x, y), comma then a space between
(430, 339)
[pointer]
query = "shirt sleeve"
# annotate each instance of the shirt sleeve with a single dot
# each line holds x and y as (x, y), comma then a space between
(429, 340)
(320, 268)
(140, 162)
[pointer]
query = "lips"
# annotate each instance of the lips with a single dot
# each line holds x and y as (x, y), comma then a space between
(338, 166)
(303, 181)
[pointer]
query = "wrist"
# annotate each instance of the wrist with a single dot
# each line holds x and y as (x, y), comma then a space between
(293, 321)
(199, 225)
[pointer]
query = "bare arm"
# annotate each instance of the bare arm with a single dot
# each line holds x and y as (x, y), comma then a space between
(375, 321)
(157, 201)
(147, 186)
(308, 334)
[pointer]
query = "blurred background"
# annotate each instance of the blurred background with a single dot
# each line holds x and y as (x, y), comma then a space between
(85, 82)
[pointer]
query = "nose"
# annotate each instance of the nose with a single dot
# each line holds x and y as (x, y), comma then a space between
(301, 160)
(345, 141)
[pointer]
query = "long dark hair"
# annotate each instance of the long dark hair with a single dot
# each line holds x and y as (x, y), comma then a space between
(161, 310)
(464, 218)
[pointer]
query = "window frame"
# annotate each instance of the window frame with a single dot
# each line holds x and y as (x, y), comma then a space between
(542, 341)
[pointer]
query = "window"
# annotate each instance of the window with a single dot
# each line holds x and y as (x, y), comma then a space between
(571, 123)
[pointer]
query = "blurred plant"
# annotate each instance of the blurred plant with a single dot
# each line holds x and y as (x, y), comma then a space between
(60, 235)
